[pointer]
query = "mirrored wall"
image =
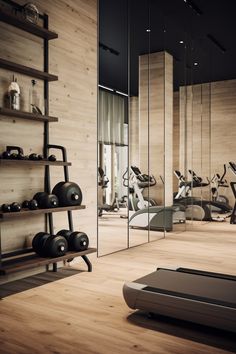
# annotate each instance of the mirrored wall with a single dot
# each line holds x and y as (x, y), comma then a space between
(165, 125)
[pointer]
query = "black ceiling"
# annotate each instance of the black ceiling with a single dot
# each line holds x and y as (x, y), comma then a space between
(207, 28)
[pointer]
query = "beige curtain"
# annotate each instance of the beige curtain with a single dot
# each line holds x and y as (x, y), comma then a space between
(111, 118)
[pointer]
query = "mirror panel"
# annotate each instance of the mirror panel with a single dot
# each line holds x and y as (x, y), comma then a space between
(112, 129)
(139, 34)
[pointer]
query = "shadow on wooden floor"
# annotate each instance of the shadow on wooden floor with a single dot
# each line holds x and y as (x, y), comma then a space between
(34, 281)
(186, 330)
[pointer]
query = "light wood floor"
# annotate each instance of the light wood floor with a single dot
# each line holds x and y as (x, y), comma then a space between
(85, 313)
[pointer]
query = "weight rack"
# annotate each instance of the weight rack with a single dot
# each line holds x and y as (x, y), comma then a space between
(25, 259)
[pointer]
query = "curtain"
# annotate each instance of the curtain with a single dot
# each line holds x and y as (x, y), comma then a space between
(111, 119)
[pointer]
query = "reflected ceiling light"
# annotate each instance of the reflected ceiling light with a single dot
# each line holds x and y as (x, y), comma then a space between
(194, 7)
(108, 49)
(181, 42)
(217, 43)
(195, 64)
(106, 88)
(112, 90)
(148, 30)
(122, 93)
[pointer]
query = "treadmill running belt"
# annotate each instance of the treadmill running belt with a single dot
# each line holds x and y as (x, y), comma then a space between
(219, 291)
(190, 297)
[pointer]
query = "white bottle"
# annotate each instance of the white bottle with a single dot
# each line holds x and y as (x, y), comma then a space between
(14, 94)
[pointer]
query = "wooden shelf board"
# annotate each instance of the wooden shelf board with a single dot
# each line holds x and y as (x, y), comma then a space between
(26, 26)
(9, 65)
(32, 162)
(26, 212)
(33, 261)
(26, 115)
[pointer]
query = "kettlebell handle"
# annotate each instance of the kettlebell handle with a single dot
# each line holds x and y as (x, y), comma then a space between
(11, 148)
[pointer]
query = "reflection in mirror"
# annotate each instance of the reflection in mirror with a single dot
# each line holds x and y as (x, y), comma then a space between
(112, 164)
(195, 137)
(223, 108)
(139, 32)
(158, 87)
(180, 102)
(175, 44)
(112, 127)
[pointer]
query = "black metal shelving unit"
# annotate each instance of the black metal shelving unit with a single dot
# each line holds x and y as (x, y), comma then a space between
(25, 259)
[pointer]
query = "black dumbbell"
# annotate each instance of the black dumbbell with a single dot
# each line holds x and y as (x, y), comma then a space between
(40, 157)
(30, 204)
(15, 207)
(47, 245)
(6, 208)
(77, 241)
(52, 158)
(68, 193)
(56, 246)
(39, 241)
(46, 201)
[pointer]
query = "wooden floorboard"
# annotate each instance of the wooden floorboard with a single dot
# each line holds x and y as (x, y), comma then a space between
(34, 281)
(85, 313)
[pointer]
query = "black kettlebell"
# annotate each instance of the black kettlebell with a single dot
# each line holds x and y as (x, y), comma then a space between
(6, 208)
(33, 157)
(55, 246)
(6, 155)
(13, 152)
(39, 241)
(77, 241)
(46, 201)
(52, 158)
(68, 193)
(15, 207)
(14, 156)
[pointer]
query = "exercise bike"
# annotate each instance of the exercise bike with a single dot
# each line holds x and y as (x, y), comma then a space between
(151, 217)
(196, 208)
(218, 182)
(137, 181)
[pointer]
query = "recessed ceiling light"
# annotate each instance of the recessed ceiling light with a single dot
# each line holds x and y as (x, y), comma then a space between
(181, 42)
(195, 64)
(148, 30)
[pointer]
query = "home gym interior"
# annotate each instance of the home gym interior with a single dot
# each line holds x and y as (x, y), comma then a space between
(118, 176)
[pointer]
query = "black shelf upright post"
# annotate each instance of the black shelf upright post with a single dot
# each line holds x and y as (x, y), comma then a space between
(47, 187)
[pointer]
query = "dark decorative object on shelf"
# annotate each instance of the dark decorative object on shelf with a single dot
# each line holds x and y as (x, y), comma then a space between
(31, 13)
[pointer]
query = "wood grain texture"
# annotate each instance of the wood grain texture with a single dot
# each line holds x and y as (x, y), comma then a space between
(73, 57)
(176, 136)
(155, 117)
(86, 313)
(134, 143)
(207, 134)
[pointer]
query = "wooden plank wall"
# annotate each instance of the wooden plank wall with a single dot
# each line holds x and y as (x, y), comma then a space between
(134, 144)
(73, 57)
(176, 137)
(209, 121)
(168, 129)
(155, 117)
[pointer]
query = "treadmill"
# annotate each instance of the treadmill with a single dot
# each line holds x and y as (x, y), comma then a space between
(191, 295)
